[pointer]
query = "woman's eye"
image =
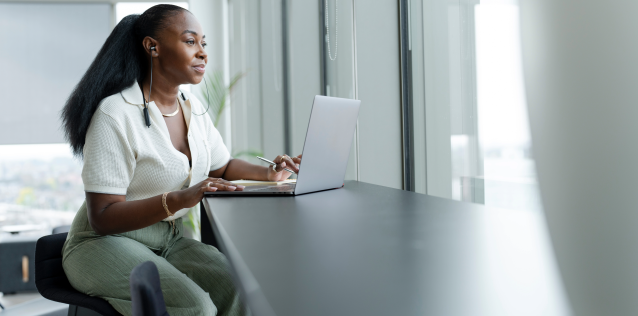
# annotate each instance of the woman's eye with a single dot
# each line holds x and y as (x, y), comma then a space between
(193, 42)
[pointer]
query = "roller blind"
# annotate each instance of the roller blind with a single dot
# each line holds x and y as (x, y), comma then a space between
(45, 48)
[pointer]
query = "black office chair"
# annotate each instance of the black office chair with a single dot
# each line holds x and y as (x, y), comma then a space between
(53, 284)
(61, 229)
(146, 293)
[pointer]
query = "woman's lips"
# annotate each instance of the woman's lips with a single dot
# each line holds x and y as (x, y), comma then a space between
(201, 69)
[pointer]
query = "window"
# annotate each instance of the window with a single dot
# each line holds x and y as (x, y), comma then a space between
(40, 185)
(471, 136)
(40, 182)
(339, 61)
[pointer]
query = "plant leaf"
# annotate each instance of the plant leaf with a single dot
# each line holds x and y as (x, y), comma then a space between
(248, 153)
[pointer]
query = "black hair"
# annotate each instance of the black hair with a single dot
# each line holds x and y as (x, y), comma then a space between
(121, 61)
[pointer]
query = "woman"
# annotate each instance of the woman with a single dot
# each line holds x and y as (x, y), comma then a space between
(143, 171)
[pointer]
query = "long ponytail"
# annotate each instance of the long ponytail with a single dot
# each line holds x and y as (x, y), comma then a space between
(120, 62)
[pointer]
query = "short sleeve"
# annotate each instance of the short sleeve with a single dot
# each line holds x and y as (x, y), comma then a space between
(109, 161)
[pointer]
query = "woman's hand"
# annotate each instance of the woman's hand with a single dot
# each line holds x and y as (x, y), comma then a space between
(193, 195)
(284, 161)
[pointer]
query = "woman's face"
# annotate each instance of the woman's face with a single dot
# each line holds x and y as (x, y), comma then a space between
(180, 50)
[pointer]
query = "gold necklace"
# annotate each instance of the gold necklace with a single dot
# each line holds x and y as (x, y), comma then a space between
(174, 113)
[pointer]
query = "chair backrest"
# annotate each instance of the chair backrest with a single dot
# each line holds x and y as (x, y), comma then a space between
(146, 292)
(61, 229)
(48, 264)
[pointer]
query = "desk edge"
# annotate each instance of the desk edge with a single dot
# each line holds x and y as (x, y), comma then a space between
(244, 279)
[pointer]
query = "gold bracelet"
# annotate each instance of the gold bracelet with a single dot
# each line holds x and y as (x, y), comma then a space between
(167, 211)
(165, 205)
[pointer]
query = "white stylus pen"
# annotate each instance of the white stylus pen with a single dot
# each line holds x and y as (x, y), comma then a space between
(273, 163)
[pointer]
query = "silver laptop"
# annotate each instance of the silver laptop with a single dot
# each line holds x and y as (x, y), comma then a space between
(325, 152)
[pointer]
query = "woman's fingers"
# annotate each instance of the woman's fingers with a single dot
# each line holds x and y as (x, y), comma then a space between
(292, 165)
(281, 163)
(225, 185)
(284, 161)
(220, 181)
(208, 188)
(217, 180)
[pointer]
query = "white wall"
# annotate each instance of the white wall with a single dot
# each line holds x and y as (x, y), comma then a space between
(580, 66)
(340, 62)
(380, 149)
(304, 72)
(245, 43)
(257, 102)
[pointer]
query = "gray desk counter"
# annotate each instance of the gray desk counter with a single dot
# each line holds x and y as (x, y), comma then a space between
(371, 250)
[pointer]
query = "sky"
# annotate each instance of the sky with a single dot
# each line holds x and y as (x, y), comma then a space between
(45, 152)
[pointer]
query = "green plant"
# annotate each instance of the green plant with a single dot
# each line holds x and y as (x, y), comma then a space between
(215, 92)
(192, 222)
(217, 97)
(247, 153)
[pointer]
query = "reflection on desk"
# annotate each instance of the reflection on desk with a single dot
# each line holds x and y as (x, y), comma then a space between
(371, 250)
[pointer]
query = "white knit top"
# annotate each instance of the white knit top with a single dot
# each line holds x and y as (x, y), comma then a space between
(123, 156)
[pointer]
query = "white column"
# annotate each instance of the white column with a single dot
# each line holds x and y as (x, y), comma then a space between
(378, 86)
(581, 61)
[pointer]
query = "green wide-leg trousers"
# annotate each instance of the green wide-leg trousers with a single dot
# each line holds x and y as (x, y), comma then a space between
(194, 276)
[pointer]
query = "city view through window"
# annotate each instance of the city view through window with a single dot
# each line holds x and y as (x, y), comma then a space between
(40, 187)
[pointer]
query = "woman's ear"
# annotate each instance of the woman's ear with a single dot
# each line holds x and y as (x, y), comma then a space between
(150, 46)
